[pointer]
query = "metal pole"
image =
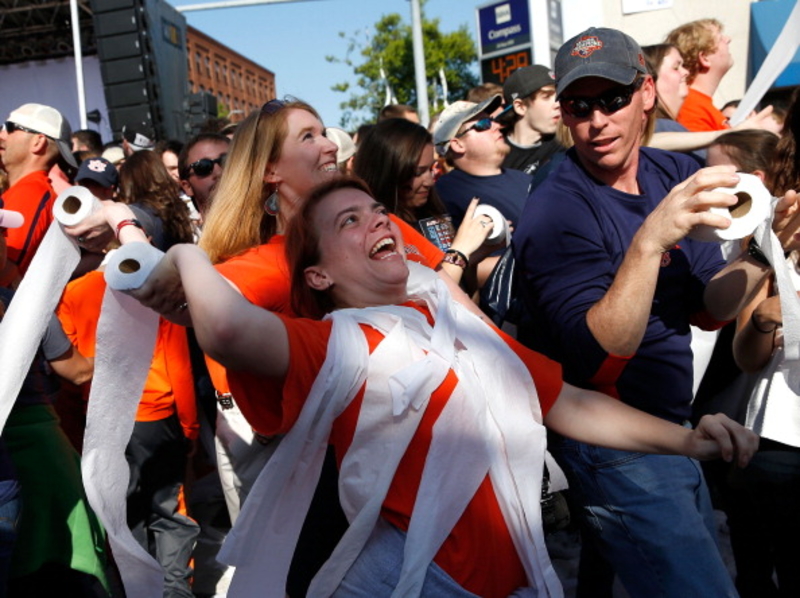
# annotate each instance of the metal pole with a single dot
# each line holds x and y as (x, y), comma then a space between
(419, 63)
(76, 43)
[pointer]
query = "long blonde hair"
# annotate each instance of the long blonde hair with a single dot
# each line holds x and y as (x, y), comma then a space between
(237, 220)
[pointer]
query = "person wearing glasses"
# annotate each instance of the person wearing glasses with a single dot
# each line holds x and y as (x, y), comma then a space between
(612, 283)
(33, 139)
(200, 164)
(473, 143)
(436, 418)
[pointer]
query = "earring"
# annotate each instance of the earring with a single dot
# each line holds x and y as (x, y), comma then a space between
(271, 206)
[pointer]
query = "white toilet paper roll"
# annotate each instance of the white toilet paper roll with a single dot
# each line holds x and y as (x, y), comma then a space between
(130, 265)
(754, 206)
(74, 204)
(499, 223)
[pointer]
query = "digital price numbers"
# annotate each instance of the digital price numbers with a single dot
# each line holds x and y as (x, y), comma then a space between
(497, 69)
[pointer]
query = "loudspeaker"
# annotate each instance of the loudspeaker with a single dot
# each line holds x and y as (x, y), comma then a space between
(141, 45)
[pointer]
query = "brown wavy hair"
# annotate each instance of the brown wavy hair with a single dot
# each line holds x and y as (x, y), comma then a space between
(785, 171)
(144, 179)
(692, 39)
(387, 161)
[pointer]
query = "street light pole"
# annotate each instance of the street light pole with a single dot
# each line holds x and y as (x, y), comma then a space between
(78, 53)
(419, 63)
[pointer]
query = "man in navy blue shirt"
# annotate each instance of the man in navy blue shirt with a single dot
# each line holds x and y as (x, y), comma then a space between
(473, 143)
(613, 284)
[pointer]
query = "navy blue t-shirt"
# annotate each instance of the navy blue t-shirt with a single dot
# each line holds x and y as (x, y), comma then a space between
(506, 191)
(569, 244)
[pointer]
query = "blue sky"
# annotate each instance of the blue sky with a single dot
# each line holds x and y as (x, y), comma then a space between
(292, 39)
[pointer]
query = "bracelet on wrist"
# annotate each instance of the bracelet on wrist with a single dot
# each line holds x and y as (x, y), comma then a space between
(455, 257)
(128, 222)
(758, 328)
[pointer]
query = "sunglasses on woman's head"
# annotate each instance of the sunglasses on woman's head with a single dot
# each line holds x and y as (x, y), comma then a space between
(609, 102)
(272, 106)
(205, 166)
(483, 124)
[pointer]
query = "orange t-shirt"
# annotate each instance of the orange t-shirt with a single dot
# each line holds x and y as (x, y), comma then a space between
(479, 552)
(33, 196)
(262, 276)
(169, 387)
(698, 113)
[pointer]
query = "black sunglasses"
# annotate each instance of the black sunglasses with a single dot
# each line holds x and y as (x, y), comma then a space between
(609, 102)
(483, 124)
(272, 106)
(11, 127)
(205, 166)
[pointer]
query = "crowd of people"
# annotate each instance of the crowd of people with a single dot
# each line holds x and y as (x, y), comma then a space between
(337, 406)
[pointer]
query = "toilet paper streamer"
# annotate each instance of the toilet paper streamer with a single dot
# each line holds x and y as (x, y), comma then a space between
(119, 376)
(790, 303)
(500, 231)
(126, 336)
(779, 57)
(35, 300)
(753, 208)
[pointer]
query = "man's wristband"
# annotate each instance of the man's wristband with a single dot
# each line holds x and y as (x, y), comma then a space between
(754, 251)
(455, 257)
(128, 222)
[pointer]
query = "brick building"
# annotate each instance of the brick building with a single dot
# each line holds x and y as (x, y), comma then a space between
(240, 84)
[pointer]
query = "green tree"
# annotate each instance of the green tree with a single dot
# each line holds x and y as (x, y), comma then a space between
(390, 48)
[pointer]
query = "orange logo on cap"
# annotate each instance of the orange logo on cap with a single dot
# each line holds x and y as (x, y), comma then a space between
(586, 46)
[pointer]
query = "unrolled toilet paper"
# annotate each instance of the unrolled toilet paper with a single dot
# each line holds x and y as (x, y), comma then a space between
(753, 207)
(36, 298)
(500, 229)
(126, 337)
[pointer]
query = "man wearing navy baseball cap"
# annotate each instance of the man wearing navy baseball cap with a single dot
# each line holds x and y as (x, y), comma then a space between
(612, 284)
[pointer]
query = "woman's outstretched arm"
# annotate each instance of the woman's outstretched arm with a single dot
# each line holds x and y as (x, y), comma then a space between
(595, 418)
(229, 328)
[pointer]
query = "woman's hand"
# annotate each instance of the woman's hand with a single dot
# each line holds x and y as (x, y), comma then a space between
(757, 120)
(473, 232)
(98, 229)
(163, 290)
(719, 436)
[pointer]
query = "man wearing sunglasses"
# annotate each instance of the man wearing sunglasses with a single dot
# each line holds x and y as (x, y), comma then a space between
(33, 139)
(473, 143)
(200, 166)
(612, 281)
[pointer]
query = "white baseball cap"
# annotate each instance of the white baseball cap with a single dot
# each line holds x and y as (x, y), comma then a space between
(455, 115)
(49, 122)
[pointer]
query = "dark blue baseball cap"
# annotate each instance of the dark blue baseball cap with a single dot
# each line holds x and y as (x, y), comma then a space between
(99, 170)
(599, 52)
